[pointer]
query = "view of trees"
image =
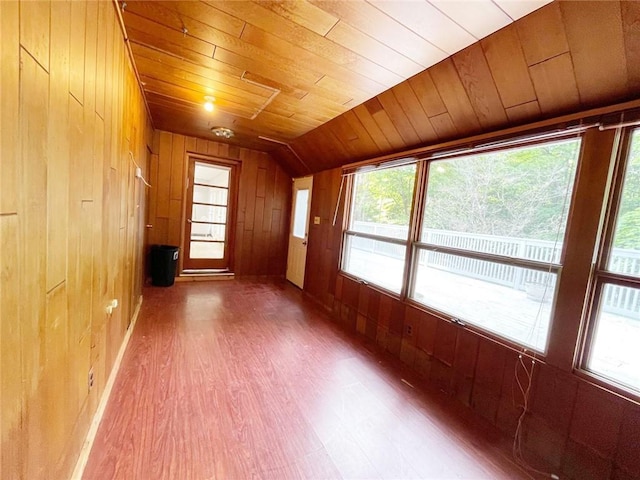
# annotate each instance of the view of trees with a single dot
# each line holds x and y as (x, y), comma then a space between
(385, 196)
(522, 192)
(517, 193)
(627, 233)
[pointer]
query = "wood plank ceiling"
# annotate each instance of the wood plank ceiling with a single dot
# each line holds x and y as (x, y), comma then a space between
(564, 58)
(280, 69)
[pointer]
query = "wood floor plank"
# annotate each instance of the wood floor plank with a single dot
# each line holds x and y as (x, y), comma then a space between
(245, 379)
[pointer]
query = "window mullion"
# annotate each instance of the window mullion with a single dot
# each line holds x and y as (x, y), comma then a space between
(372, 236)
(618, 279)
(583, 227)
(417, 209)
(490, 257)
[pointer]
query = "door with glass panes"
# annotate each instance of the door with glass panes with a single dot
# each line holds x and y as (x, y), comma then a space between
(299, 234)
(209, 225)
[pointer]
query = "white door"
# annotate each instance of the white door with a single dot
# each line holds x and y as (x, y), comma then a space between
(299, 234)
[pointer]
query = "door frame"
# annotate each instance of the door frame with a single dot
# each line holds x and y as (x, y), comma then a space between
(232, 205)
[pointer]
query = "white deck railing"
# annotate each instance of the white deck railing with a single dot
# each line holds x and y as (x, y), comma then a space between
(617, 300)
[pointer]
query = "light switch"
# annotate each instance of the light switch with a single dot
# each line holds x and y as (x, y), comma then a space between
(316, 220)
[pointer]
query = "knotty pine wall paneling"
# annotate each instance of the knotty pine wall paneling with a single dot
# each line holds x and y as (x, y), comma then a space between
(564, 58)
(264, 199)
(71, 223)
(580, 430)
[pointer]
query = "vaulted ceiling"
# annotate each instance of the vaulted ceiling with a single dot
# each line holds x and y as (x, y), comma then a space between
(279, 69)
(323, 83)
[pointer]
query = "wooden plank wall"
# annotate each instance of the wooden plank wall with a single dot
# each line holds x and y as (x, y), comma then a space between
(579, 429)
(70, 223)
(264, 196)
(564, 58)
(324, 243)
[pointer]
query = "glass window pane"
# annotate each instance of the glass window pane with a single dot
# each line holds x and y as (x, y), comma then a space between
(211, 195)
(205, 213)
(382, 201)
(300, 214)
(510, 202)
(615, 351)
(625, 254)
(212, 250)
(378, 262)
(512, 302)
(207, 231)
(213, 175)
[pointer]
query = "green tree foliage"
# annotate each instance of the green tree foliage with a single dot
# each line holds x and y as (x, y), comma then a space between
(385, 196)
(523, 192)
(516, 193)
(627, 233)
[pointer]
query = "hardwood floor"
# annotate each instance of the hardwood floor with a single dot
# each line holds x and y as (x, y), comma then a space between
(238, 379)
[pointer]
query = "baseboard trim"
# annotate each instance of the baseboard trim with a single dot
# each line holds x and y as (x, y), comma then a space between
(78, 471)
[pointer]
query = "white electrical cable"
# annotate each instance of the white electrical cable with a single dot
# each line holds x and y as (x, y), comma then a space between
(138, 170)
(518, 455)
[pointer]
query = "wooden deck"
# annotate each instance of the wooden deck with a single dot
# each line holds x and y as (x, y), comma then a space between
(237, 379)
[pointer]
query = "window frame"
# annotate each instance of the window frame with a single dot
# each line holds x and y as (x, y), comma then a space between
(227, 262)
(347, 232)
(596, 194)
(601, 276)
(545, 267)
(414, 244)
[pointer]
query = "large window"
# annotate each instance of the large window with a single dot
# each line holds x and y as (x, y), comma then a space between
(492, 236)
(613, 343)
(376, 241)
(487, 248)
(478, 236)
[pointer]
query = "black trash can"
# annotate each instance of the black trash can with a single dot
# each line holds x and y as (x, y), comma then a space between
(164, 260)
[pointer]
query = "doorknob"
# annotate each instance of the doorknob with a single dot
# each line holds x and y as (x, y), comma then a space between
(304, 242)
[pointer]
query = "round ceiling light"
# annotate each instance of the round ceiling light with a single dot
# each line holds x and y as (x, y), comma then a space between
(223, 132)
(208, 104)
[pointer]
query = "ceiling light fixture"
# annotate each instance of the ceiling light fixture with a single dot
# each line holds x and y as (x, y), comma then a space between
(208, 104)
(222, 132)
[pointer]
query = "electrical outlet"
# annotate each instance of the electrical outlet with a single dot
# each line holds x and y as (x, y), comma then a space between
(90, 379)
(408, 330)
(112, 304)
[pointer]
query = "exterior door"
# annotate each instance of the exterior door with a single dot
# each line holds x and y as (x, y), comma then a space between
(301, 205)
(209, 225)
